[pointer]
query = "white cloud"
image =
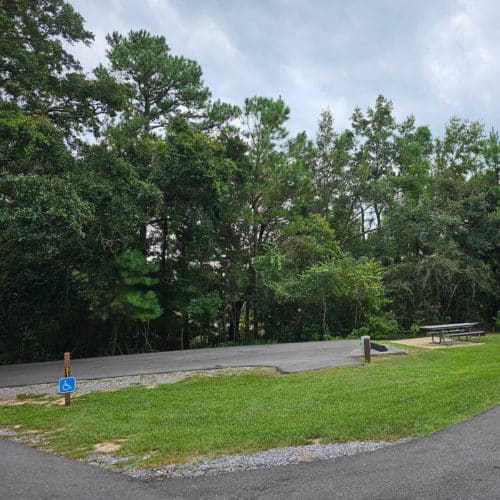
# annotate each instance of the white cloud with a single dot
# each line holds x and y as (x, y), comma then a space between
(101, 18)
(309, 91)
(207, 41)
(460, 58)
(338, 54)
(199, 37)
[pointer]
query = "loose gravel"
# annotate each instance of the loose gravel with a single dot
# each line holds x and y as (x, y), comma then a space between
(263, 459)
(116, 383)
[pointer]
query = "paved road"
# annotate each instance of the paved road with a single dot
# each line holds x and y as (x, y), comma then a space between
(461, 462)
(286, 357)
(31, 474)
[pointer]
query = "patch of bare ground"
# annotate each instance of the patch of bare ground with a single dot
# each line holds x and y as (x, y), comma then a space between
(427, 343)
(108, 446)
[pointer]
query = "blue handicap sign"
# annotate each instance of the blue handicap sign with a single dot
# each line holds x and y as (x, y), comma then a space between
(67, 384)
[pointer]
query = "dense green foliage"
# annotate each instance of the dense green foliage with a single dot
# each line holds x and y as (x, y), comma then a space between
(177, 221)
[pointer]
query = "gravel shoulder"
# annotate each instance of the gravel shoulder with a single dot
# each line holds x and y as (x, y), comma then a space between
(265, 459)
(117, 383)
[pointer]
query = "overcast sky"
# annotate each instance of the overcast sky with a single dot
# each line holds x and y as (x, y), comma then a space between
(433, 58)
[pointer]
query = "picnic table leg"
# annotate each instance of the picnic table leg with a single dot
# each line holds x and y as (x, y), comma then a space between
(443, 336)
(437, 334)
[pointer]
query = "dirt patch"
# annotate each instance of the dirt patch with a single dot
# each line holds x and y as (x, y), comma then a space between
(17, 402)
(316, 441)
(108, 446)
(427, 343)
(11, 402)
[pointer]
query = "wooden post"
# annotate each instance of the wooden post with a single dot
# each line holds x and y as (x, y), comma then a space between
(67, 373)
(366, 348)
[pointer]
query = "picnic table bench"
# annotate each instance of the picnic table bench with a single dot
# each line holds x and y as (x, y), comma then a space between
(467, 331)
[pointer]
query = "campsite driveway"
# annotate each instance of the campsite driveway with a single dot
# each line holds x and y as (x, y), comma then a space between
(293, 357)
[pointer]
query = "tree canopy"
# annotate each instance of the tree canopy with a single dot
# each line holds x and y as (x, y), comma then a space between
(178, 221)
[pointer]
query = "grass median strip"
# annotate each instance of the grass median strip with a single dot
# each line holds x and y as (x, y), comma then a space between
(394, 397)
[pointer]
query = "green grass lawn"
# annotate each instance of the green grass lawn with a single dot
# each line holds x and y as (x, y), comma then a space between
(392, 398)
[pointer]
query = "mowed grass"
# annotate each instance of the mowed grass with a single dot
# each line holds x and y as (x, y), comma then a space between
(392, 398)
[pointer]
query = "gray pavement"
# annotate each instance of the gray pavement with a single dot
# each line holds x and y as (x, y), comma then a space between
(460, 462)
(292, 357)
(31, 474)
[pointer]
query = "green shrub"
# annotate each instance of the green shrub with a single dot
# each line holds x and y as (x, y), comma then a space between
(378, 327)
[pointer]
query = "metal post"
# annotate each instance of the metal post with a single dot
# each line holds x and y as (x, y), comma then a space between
(67, 373)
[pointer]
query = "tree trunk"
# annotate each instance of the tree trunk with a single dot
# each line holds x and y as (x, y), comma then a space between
(324, 317)
(163, 277)
(234, 320)
(224, 327)
(143, 232)
(114, 337)
(255, 327)
(247, 320)
(185, 334)
(362, 223)
(255, 323)
(378, 214)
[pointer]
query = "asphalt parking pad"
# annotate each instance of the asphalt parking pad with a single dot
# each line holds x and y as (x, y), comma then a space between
(287, 358)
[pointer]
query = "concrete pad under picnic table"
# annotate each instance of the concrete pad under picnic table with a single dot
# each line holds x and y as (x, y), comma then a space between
(288, 358)
(427, 343)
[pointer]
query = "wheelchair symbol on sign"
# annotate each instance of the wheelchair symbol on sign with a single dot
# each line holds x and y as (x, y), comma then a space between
(67, 384)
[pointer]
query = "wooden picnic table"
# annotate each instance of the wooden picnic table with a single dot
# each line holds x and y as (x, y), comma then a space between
(452, 330)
